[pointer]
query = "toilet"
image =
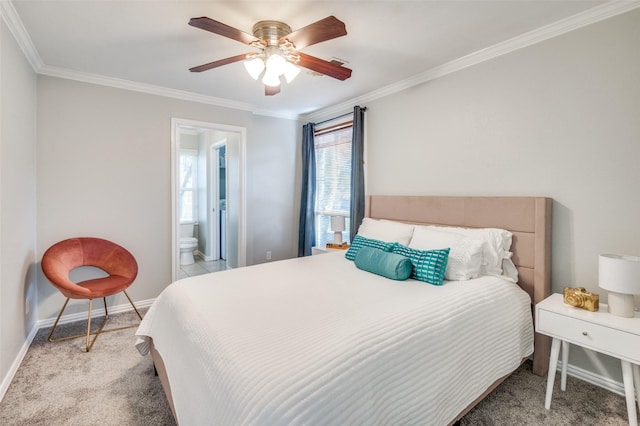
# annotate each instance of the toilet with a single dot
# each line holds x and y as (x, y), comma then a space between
(188, 244)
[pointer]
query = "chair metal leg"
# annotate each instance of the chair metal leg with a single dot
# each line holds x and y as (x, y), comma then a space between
(89, 326)
(55, 324)
(134, 306)
(75, 336)
(100, 330)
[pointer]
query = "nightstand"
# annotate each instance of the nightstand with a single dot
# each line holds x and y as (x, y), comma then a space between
(599, 331)
(318, 250)
(322, 250)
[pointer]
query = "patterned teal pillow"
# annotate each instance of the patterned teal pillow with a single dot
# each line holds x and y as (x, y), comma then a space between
(359, 242)
(428, 265)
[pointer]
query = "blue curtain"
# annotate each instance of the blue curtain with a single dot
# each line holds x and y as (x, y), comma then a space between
(357, 171)
(307, 226)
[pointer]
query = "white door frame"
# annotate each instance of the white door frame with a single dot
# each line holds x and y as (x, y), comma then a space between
(176, 123)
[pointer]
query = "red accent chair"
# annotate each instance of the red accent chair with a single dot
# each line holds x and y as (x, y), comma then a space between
(116, 261)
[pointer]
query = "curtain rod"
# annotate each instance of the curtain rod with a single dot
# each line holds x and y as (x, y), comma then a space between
(335, 118)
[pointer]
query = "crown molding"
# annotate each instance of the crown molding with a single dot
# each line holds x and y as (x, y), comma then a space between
(17, 29)
(284, 115)
(583, 19)
(155, 90)
(588, 17)
(19, 32)
(141, 87)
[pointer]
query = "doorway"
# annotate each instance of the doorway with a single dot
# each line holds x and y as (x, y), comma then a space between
(212, 203)
(218, 198)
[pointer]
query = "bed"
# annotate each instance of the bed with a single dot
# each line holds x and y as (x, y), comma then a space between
(317, 340)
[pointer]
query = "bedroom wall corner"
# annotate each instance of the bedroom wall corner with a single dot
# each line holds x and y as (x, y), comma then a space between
(18, 297)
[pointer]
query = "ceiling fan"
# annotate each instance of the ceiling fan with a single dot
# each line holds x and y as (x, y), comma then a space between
(278, 46)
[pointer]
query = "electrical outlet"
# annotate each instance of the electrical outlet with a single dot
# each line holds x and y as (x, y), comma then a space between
(269, 255)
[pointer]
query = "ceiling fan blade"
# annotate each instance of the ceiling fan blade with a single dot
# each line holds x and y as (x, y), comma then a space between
(270, 90)
(219, 63)
(322, 30)
(225, 30)
(323, 67)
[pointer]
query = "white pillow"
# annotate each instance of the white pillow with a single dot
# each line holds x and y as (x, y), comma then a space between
(386, 230)
(496, 248)
(465, 257)
(509, 270)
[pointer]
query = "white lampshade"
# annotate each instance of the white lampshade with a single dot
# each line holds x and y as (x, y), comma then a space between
(620, 276)
(254, 67)
(276, 64)
(270, 79)
(290, 71)
(337, 223)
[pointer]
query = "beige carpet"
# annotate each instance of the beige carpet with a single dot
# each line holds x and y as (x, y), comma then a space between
(61, 384)
(519, 400)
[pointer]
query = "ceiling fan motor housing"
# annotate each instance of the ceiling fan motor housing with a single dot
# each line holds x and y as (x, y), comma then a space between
(271, 31)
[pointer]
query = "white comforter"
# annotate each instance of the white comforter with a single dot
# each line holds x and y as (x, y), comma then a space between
(316, 341)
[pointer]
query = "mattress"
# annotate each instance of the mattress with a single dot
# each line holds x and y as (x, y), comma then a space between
(317, 341)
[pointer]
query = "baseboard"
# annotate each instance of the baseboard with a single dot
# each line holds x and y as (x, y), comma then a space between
(204, 256)
(65, 319)
(16, 363)
(4, 386)
(594, 379)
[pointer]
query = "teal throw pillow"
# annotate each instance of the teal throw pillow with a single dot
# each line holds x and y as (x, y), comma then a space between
(359, 242)
(428, 265)
(389, 265)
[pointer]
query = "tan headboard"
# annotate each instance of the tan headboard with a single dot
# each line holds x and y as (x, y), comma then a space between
(528, 218)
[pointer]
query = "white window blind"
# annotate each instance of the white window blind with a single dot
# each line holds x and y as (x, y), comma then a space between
(333, 179)
(188, 183)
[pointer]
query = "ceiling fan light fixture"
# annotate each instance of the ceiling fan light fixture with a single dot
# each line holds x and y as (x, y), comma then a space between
(254, 67)
(276, 64)
(271, 79)
(290, 72)
(278, 47)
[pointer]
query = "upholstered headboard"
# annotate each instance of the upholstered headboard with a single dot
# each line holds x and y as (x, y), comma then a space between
(528, 218)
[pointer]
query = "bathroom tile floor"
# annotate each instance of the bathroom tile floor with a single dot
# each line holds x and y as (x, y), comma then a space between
(202, 267)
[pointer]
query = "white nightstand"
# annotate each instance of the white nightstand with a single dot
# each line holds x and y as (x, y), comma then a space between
(600, 331)
(322, 250)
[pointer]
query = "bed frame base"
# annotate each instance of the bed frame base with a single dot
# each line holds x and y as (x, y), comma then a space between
(161, 372)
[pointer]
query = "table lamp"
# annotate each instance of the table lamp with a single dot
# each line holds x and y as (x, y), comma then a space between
(620, 276)
(337, 226)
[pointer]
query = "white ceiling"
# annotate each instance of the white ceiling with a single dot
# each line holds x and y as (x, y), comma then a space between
(388, 42)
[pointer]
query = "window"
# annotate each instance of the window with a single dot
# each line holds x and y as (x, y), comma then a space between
(188, 184)
(333, 179)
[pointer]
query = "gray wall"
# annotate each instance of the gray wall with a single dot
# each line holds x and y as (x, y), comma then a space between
(276, 191)
(104, 170)
(559, 119)
(17, 199)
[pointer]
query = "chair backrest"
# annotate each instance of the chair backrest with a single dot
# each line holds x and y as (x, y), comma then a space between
(66, 255)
